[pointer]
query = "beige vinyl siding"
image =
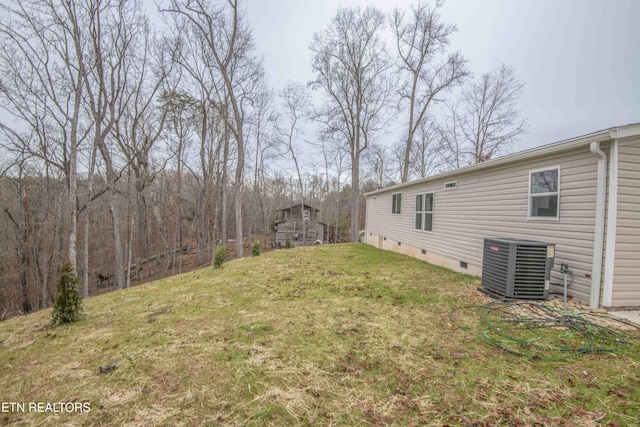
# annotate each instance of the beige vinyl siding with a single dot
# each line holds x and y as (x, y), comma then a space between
(626, 279)
(494, 203)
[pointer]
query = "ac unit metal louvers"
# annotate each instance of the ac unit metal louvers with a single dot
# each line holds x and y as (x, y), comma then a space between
(515, 268)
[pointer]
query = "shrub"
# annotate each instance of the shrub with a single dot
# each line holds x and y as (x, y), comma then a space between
(255, 248)
(218, 256)
(67, 307)
(287, 244)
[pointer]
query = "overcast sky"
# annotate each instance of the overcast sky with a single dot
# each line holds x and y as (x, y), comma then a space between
(579, 59)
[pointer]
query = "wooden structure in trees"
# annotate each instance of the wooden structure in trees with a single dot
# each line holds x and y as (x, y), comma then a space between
(300, 225)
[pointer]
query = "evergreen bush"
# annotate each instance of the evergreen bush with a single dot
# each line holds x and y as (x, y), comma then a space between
(67, 307)
(218, 256)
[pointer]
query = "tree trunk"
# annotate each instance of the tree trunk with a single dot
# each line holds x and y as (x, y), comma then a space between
(117, 239)
(237, 201)
(179, 206)
(115, 215)
(85, 250)
(223, 188)
(22, 238)
(237, 185)
(87, 225)
(355, 196)
(72, 204)
(410, 131)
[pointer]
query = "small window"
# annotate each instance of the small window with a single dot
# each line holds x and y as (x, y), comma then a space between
(307, 215)
(450, 185)
(544, 194)
(424, 212)
(396, 203)
(428, 212)
(419, 212)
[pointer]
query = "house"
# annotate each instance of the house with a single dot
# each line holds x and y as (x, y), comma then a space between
(583, 194)
(300, 225)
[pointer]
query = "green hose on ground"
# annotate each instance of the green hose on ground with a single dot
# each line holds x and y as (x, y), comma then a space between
(538, 331)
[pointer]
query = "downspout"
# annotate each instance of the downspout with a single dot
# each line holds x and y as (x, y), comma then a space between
(598, 240)
(612, 217)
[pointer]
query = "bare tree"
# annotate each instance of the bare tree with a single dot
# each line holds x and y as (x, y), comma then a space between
(137, 130)
(234, 70)
(451, 138)
(379, 166)
(335, 164)
(488, 120)
(180, 108)
(43, 81)
(114, 29)
(196, 91)
(426, 150)
(351, 67)
(422, 40)
(87, 221)
(295, 105)
(263, 126)
(20, 222)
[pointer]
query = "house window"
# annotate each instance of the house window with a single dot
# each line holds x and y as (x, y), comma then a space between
(396, 202)
(428, 212)
(544, 194)
(306, 215)
(424, 212)
(419, 211)
(450, 185)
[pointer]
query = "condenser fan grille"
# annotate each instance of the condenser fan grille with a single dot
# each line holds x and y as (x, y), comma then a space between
(515, 268)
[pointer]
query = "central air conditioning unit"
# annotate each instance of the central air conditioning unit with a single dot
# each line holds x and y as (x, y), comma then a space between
(515, 268)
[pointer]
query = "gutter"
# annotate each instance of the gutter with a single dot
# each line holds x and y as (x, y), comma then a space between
(532, 153)
(598, 240)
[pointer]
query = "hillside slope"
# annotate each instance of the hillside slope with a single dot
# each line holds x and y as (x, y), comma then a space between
(337, 334)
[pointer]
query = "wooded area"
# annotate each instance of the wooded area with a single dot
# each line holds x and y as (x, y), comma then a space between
(126, 142)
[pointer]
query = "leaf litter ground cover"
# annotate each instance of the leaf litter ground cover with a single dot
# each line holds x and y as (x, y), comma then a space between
(330, 335)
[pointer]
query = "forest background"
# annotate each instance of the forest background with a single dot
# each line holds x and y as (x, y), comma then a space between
(133, 132)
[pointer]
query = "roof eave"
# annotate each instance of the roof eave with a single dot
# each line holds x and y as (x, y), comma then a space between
(556, 147)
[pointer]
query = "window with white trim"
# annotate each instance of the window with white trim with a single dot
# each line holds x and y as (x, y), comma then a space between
(396, 203)
(419, 211)
(544, 194)
(424, 212)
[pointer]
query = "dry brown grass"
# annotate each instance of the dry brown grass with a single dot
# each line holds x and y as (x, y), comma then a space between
(332, 335)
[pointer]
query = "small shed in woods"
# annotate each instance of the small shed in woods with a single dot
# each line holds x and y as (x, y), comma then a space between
(300, 225)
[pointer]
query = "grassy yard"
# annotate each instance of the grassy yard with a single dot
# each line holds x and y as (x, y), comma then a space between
(328, 335)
